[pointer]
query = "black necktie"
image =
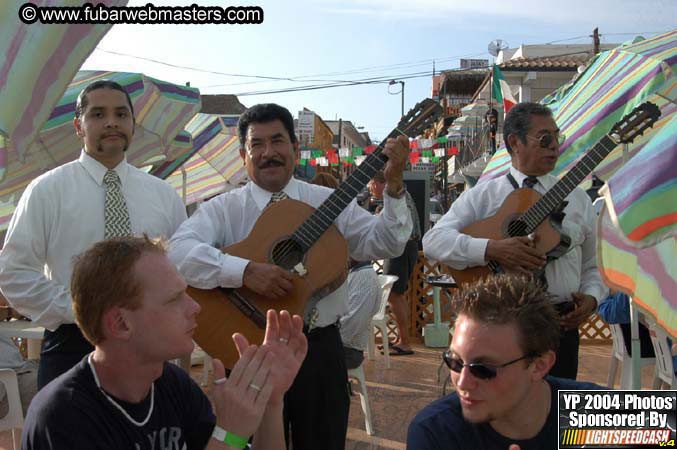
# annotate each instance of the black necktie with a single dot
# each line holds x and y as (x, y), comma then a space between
(530, 182)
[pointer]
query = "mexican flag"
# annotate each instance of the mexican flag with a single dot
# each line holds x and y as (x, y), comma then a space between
(501, 91)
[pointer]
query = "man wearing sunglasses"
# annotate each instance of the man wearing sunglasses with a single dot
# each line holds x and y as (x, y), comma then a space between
(504, 345)
(533, 140)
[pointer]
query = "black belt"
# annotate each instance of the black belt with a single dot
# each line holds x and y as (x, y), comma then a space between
(318, 331)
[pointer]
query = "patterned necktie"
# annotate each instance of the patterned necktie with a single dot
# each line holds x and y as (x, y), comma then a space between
(530, 182)
(276, 197)
(115, 214)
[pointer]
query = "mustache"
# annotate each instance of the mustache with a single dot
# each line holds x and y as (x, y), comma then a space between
(271, 163)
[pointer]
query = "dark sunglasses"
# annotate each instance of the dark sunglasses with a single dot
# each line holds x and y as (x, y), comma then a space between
(546, 140)
(479, 370)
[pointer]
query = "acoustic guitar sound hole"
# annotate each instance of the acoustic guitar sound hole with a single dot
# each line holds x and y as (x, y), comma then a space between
(287, 253)
(517, 228)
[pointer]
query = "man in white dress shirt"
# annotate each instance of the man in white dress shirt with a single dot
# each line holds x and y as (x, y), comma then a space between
(317, 404)
(61, 213)
(532, 139)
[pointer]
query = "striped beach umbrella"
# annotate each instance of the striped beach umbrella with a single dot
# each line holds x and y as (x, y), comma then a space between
(214, 164)
(37, 62)
(161, 109)
(637, 233)
(614, 83)
(475, 109)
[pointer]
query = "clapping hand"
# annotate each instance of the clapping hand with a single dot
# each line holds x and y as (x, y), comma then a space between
(241, 399)
(285, 340)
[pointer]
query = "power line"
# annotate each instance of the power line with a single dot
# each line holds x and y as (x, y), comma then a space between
(605, 34)
(291, 79)
(355, 71)
(192, 68)
(373, 80)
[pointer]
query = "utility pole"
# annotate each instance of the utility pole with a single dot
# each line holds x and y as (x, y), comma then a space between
(595, 40)
(339, 148)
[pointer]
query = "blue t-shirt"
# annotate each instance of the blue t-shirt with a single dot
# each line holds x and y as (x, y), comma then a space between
(441, 426)
(72, 413)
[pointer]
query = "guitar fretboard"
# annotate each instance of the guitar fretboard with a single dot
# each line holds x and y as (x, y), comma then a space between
(549, 203)
(311, 230)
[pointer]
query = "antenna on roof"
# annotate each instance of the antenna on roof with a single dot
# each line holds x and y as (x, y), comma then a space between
(496, 46)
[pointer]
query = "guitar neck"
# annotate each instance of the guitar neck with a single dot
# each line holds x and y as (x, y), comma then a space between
(550, 202)
(311, 230)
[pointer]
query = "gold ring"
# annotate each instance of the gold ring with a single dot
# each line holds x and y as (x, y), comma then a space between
(255, 387)
(283, 340)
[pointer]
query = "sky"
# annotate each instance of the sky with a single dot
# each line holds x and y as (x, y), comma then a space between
(357, 39)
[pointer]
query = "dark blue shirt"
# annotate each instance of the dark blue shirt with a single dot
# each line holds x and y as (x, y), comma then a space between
(441, 426)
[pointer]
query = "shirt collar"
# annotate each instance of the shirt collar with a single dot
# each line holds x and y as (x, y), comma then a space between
(544, 180)
(97, 170)
(262, 197)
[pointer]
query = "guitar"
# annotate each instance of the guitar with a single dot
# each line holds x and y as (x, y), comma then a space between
(524, 211)
(298, 238)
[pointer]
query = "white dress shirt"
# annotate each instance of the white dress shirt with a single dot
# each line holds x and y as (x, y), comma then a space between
(59, 215)
(229, 218)
(575, 271)
(364, 299)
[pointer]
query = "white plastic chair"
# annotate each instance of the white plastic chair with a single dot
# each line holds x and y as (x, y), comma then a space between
(198, 357)
(380, 319)
(665, 368)
(15, 418)
(358, 374)
(620, 354)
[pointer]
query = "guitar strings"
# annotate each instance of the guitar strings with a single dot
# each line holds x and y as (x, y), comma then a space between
(285, 249)
(599, 151)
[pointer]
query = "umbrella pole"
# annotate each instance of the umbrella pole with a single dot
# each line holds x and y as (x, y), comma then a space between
(183, 184)
(636, 376)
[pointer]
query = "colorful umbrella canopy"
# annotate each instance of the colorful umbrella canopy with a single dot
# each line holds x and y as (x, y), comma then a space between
(213, 166)
(468, 121)
(614, 83)
(38, 61)
(475, 109)
(161, 108)
(636, 239)
(637, 228)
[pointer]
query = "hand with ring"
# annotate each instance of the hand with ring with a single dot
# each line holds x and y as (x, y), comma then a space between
(242, 398)
(285, 339)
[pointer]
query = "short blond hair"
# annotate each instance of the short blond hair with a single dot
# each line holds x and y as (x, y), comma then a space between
(507, 298)
(103, 278)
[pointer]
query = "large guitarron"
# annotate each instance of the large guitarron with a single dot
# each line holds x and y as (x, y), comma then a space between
(299, 238)
(524, 211)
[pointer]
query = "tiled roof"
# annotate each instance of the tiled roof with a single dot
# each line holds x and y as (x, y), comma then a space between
(221, 104)
(563, 63)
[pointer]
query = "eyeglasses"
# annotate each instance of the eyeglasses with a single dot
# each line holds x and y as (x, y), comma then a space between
(479, 370)
(546, 140)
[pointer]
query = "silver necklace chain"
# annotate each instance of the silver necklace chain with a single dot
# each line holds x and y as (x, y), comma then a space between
(114, 403)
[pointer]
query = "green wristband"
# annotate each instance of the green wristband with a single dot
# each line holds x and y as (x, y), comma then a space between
(229, 438)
